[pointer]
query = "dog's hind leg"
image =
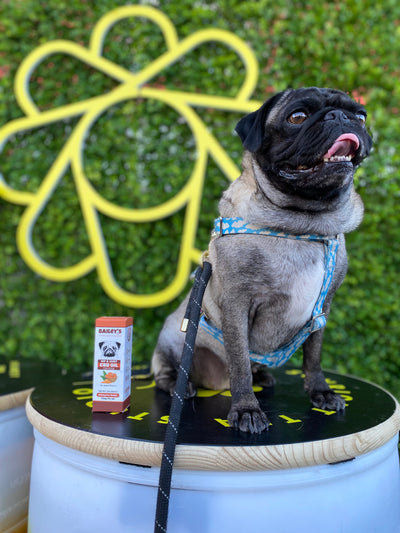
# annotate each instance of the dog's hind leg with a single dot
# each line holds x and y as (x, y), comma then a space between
(165, 373)
(261, 376)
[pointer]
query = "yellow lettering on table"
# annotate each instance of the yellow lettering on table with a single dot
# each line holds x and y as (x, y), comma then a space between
(331, 381)
(14, 370)
(119, 412)
(140, 416)
(163, 420)
(294, 372)
(289, 420)
(223, 422)
(151, 386)
(323, 411)
(83, 391)
(207, 393)
(340, 389)
(346, 397)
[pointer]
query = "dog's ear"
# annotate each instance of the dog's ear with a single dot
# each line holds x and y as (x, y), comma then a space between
(101, 345)
(251, 128)
(118, 344)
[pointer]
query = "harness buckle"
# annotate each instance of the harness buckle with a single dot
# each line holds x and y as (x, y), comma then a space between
(220, 227)
(217, 231)
(314, 319)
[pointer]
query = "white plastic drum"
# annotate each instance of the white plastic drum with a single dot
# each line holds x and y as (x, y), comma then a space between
(76, 492)
(16, 445)
(81, 481)
(17, 377)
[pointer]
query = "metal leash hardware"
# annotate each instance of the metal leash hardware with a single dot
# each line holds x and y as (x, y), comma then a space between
(190, 324)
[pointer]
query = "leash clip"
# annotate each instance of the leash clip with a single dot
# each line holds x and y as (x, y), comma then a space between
(184, 325)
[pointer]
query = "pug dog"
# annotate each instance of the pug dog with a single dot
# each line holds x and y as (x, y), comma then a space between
(301, 149)
(109, 348)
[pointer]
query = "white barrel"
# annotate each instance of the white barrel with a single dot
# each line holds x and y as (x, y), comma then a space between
(314, 470)
(72, 491)
(17, 379)
(16, 445)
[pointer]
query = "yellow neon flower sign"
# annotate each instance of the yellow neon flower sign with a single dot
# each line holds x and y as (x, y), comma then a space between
(132, 85)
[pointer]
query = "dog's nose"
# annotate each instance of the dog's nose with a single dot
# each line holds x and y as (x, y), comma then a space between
(336, 115)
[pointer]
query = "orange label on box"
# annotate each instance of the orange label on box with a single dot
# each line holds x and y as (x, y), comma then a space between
(104, 364)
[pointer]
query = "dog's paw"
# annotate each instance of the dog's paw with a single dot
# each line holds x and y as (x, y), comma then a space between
(249, 420)
(328, 400)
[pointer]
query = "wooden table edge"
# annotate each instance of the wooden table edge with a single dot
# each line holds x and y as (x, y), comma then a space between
(221, 458)
(14, 399)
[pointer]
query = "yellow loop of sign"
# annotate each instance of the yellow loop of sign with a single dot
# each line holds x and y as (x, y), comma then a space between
(71, 156)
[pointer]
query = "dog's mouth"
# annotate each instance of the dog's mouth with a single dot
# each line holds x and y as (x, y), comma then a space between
(342, 151)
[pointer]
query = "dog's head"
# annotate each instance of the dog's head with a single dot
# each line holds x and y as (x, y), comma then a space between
(308, 142)
(109, 348)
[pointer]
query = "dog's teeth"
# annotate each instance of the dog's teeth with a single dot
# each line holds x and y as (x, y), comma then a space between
(337, 158)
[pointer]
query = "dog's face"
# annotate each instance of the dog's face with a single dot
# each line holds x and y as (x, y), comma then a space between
(109, 349)
(308, 142)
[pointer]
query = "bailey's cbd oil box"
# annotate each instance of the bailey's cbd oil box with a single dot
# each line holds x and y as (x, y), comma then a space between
(112, 363)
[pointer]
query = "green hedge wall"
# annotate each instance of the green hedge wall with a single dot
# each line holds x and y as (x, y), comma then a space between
(353, 46)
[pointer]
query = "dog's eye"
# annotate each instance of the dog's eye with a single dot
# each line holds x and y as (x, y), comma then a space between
(298, 117)
(362, 118)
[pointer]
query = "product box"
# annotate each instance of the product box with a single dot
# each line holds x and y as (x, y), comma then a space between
(112, 363)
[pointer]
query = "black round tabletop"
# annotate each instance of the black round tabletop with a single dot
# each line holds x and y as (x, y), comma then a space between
(18, 376)
(293, 419)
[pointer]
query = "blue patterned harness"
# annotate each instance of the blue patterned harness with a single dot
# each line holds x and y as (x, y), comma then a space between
(234, 226)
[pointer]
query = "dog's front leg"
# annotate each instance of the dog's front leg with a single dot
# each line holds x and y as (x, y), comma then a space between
(245, 413)
(321, 395)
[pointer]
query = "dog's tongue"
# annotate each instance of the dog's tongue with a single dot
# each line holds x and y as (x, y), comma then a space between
(344, 145)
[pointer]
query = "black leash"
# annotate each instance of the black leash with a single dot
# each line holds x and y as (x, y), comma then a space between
(191, 322)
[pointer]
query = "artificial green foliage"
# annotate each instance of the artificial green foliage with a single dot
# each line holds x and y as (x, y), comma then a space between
(140, 153)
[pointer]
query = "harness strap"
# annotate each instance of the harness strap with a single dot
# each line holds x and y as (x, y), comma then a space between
(235, 226)
(276, 358)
